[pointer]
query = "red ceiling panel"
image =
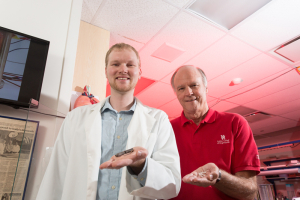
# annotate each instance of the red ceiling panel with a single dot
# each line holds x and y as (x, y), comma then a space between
(141, 85)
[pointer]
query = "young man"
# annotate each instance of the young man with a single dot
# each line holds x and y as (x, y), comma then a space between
(218, 155)
(93, 136)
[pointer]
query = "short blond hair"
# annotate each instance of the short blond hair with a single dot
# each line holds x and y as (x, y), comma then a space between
(121, 46)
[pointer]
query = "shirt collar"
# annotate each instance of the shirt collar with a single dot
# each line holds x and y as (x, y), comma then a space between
(209, 118)
(108, 106)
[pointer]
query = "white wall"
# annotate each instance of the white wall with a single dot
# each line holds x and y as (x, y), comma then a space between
(57, 21)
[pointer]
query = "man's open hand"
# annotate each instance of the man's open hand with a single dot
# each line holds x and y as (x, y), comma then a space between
(135, 160)
(203, 176)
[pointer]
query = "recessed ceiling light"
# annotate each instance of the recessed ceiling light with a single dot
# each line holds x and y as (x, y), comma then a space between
(235, 81)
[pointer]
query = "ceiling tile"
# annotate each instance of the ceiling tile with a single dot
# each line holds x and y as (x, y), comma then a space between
(274, 24)
(284, 108)
(93, 5)
(135, 19)
(252, 71)
(167, 52)
(142, 84)
(275, 99)
(242, 110)
(157, 95)
(264, 87)
(185, 32)
(116, 38)
(295, 115)
(223, 56)
(213, 102)
(223, 106)
(179, 3)
(210, 99)
(86, 14)
(173, 108)
(167, 79)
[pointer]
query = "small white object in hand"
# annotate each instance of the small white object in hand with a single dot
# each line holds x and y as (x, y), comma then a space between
(202, 174)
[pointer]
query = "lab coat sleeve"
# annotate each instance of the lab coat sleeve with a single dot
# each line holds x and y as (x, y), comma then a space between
(53, 182)
(163, 170)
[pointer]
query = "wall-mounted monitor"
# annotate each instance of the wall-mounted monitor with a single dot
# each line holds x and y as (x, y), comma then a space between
(22, 65)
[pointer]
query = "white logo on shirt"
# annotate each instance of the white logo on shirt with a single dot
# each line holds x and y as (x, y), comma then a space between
(223, 140)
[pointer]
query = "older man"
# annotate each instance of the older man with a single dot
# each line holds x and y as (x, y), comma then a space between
(133, 144)
(218, 155)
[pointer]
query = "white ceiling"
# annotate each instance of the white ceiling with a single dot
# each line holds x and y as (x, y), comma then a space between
(245, 51)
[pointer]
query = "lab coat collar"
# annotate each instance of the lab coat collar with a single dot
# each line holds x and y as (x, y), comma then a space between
(139, 128)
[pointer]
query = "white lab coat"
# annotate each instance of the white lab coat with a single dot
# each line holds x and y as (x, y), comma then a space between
(72, 173)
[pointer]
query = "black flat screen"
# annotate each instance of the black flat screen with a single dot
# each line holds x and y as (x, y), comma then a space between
(22, 65)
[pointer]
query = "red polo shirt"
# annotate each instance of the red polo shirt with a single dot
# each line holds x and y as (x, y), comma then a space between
(222, 138)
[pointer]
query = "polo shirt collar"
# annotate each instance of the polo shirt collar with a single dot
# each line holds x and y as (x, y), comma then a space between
(209, 118)
(183, 119)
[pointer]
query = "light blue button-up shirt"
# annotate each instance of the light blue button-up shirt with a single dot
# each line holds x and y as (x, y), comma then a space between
(113, 140)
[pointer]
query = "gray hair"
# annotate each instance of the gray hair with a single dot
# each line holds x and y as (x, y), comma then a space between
(204, 79)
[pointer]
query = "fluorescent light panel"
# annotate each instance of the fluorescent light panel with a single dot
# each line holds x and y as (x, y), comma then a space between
(227, 13)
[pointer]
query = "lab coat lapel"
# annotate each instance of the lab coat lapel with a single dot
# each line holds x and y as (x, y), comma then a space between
(93, 128)
(139, 130)
(140, 126)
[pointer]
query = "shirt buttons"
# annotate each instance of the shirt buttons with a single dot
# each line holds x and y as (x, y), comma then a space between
(120, 118)
(113, 187)
(118, 137)
(191, 122)
(142, 179)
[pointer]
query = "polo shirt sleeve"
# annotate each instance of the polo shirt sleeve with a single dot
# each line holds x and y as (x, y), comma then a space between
(245, 155)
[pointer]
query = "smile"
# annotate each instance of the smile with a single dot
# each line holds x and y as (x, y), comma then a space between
(190, 100)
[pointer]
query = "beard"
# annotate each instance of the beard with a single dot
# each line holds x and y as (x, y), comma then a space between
(122, 88)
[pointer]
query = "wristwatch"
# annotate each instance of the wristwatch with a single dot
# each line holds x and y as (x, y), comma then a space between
(219, 178)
